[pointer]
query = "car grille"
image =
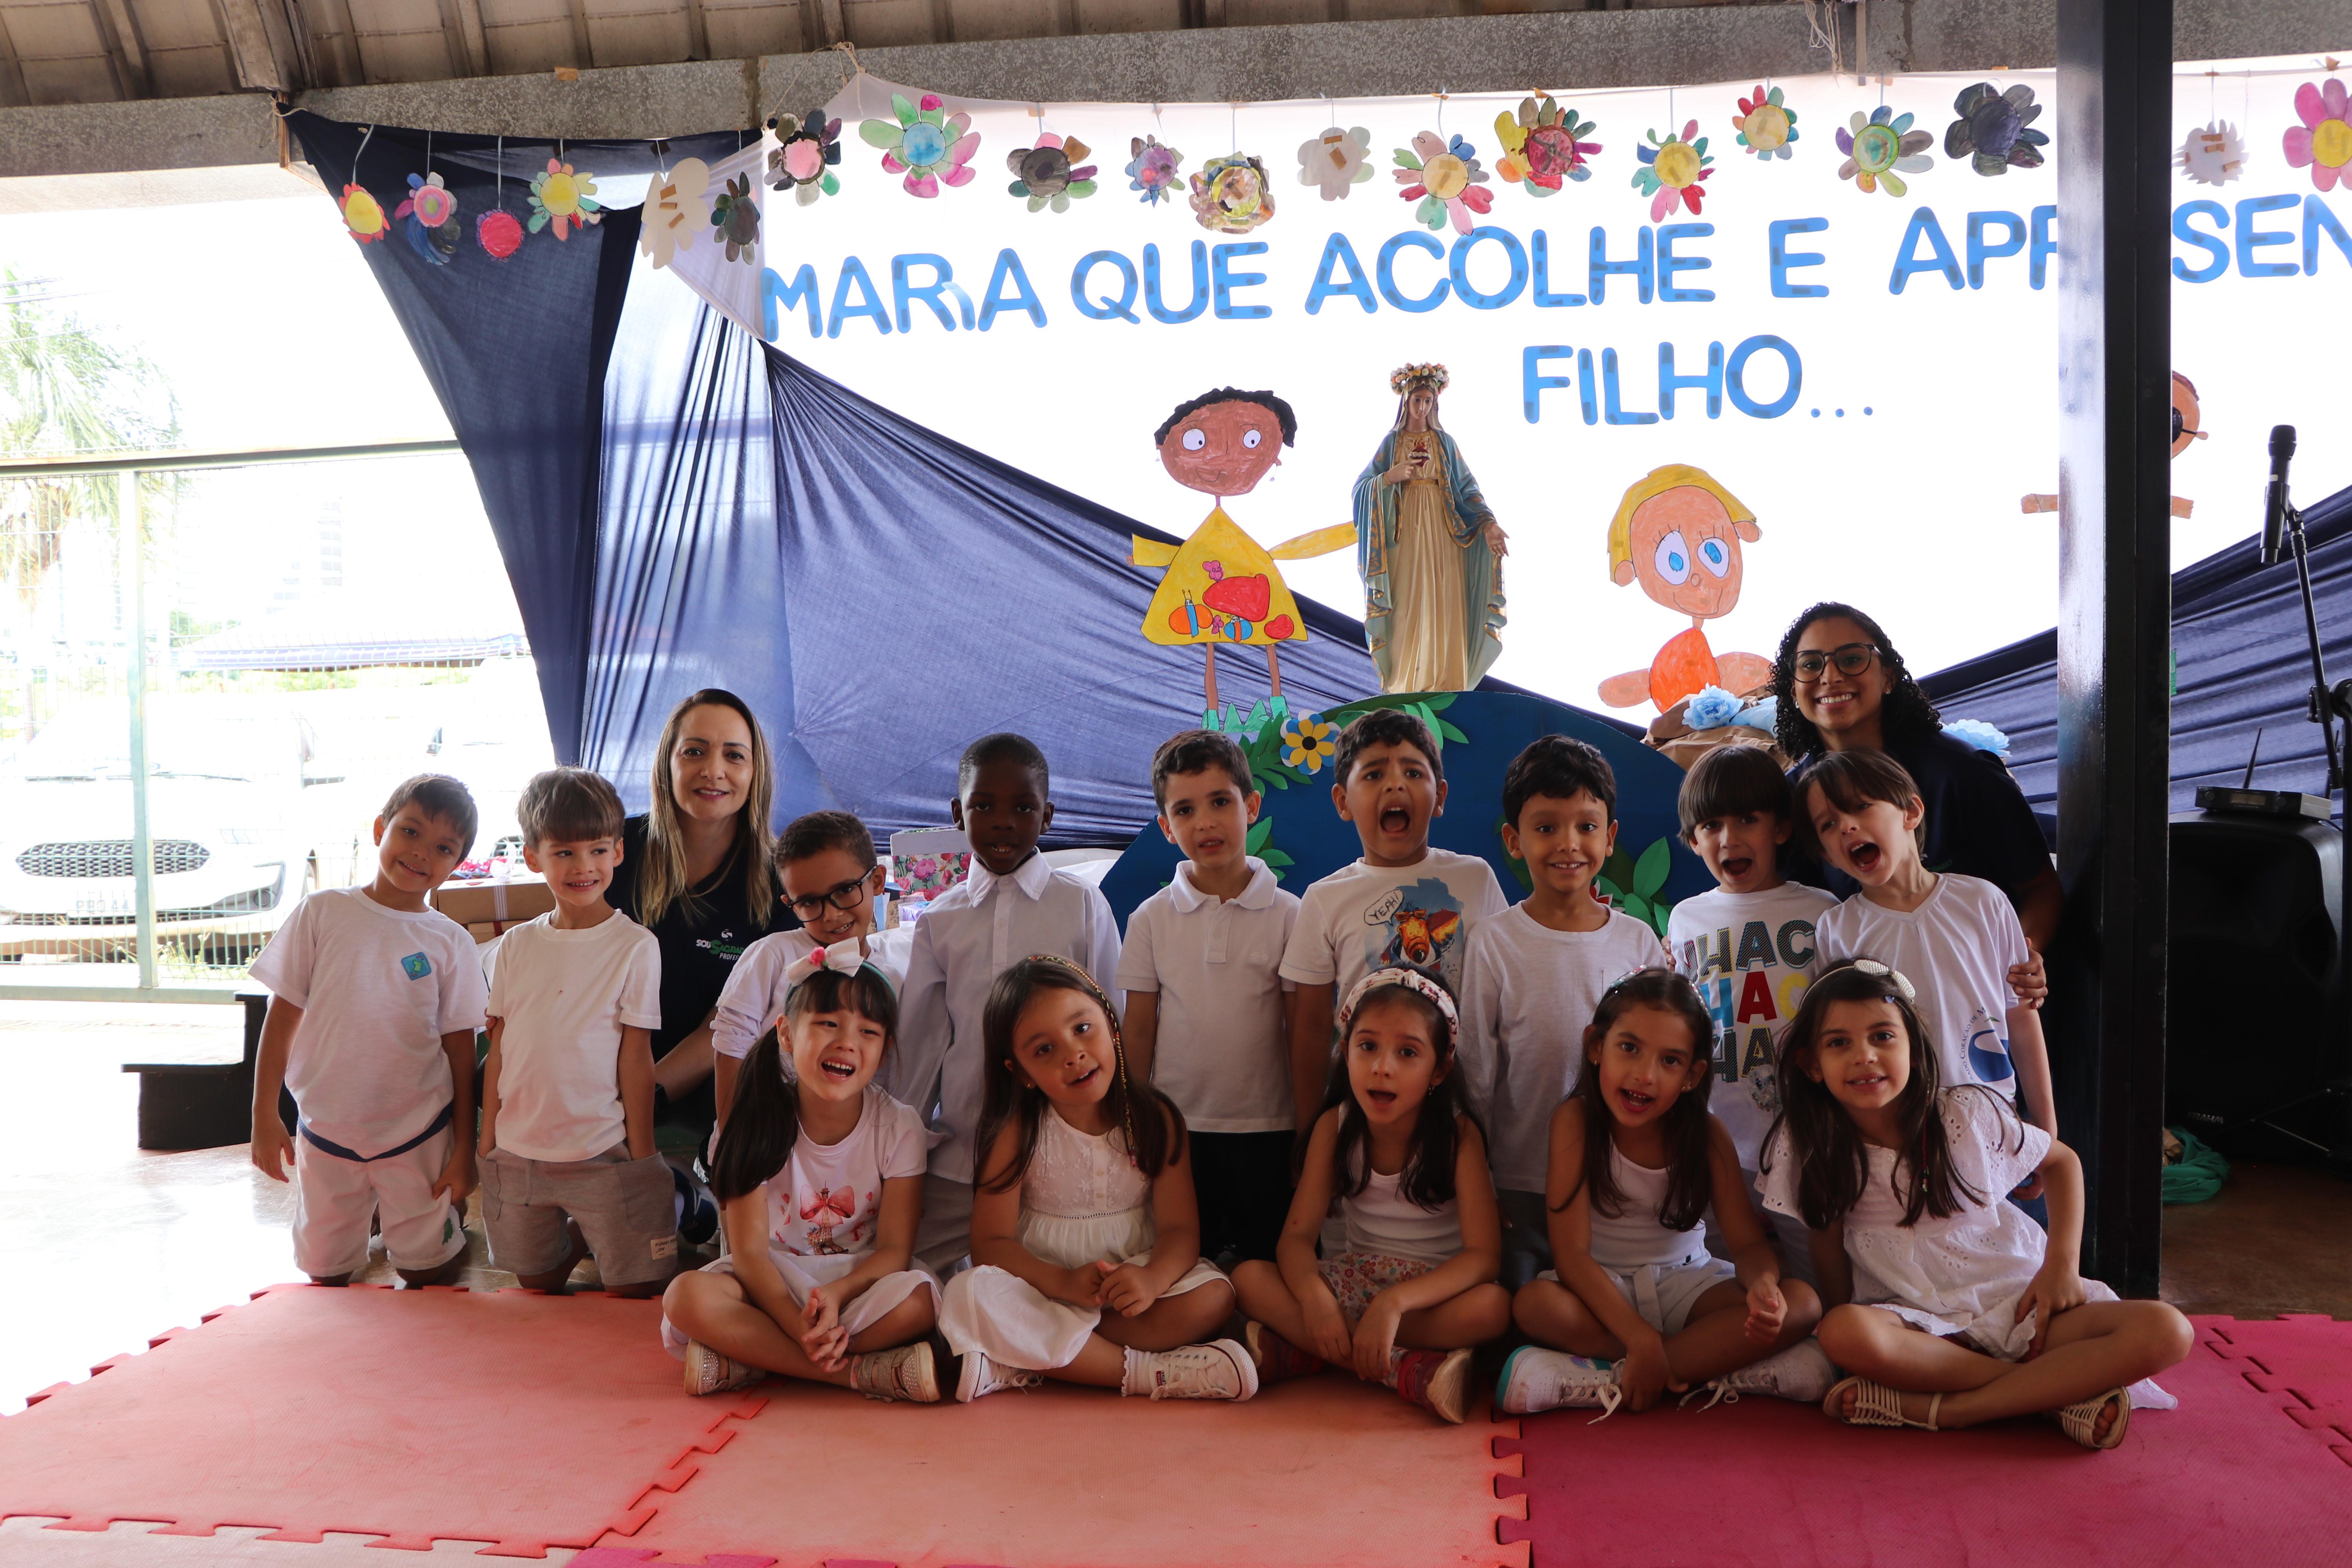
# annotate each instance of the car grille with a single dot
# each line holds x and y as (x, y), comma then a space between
(108, 858)
(253, 902)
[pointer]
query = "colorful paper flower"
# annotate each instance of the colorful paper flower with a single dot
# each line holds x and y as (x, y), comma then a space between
(564, 198)
(1543, 146)
(1308, 743)
(1043, 174)
(2212, 154)
(927, 144)
(1766, 125)
(1994, 131)
(1336, 162)
(808, 149)
(677, 211)
(1152, 169)
(362, 215)
(735, 214)
(1672, 171)
(1880, 148)
(432, 214)
(1445, 179)
(500, 233)
(2324, 141)
(1232, 194)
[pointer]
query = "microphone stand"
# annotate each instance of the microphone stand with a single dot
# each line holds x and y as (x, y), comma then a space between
(2325, 705)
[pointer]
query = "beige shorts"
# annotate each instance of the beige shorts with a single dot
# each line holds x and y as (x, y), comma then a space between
(627, 1210)
(334, 1198)
(1663, 1293)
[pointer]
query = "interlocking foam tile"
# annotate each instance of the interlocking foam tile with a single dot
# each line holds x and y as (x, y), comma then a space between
(1324, 1472)
(2303, 1356)
(524, 1420)
(2226, 1479)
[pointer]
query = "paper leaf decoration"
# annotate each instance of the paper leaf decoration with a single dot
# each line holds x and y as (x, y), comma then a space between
(1223, 586)
(564, 198)
(500, 233)
(362, 215)
(1994, 131)
(1672, 171)
(1336, 162)
(2212, 154)
(677, 210)
(1880, 148)
(927, 144)
(735, 214)
(432, 215)
(1543, 146)
(807, 151)
(2323, 142)
(1766, 125)
(1152, 169)
(1445, 179)
(1232, 194)
(1043, 176)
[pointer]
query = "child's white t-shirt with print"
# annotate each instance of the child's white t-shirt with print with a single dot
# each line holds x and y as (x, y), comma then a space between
(1956, 949)
(827, 1199)
(755, 993)
(1752, 956)
(564, 997)
(1361, 917)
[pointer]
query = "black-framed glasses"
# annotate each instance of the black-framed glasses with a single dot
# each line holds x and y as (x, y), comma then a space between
(1850, 660)
(843, 898)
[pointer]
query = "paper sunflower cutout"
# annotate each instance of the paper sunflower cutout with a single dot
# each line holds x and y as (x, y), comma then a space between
(1994, 130)
(2323, 142)
(926, 143)
(1336, 161)
(1543, 146)
(735, 214)
(500, 233)
(2212, 154)
(1672, 171)
(564, 198)
(677, 211)
(1445, 179)
(1766, 125)
(1230, 194)
(1042, 174)
(1880, 148)
(1152, 169)
(362, 215)
(1306, 743)
(432, 215)
(808, 150)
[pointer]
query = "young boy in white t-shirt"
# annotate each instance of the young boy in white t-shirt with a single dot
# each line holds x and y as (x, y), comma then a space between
(374, 1001)
(1535, 973)
(569, 1167)
(1206, 1017)
(1403, 902)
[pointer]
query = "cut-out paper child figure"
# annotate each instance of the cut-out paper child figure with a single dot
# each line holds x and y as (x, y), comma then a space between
(1678, 533)
(2187, 425)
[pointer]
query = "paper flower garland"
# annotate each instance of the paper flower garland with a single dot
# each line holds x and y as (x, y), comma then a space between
(736, 216)
(1673, 170)
(362, 215)
(808, 151)
(1152, 169)
(1994, 128)
(1766, 125)
(1543, 146)
(564, 198)
(1336, 162)
(1231, 195)
(1881, 149)
(500, 233)
(432, 214)
(926, 143)
(678, 209)
(2211, 155)
(1445, 179)
(1043, 174)
(2323, 142)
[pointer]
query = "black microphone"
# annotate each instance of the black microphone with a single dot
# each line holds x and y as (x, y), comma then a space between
(2274, 498)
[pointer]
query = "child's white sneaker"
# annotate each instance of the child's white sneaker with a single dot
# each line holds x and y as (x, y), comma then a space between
(906, 1373)
(1801, 1373)
(1219, 1370)
(1537, 1379)
(981, 1377)
(708, 1372)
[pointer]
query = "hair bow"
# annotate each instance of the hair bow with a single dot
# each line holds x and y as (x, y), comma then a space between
(842, 958)
(1413, 980)
(1894, 977)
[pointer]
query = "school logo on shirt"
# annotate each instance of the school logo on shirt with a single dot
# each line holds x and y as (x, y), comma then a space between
(1988, 1052)
(417, 966)
(1750, 1002)
(1420, 925)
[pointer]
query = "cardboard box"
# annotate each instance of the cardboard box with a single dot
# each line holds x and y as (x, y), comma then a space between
(488, 908)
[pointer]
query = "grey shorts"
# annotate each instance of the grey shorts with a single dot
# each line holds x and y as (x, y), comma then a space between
(627, 1210)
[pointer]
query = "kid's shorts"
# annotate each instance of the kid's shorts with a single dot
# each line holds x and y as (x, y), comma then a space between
(1354, 1278)
(334, 1198)
(1664, 1293)
(627, 1210)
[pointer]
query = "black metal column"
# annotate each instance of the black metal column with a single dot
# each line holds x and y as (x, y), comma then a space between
(2114, 614)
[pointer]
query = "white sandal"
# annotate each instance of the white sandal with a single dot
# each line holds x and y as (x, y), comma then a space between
(1876, 1405)
(2080, 1421)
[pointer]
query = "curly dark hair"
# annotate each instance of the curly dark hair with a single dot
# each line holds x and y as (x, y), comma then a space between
(1275, 405)
(1906, 715)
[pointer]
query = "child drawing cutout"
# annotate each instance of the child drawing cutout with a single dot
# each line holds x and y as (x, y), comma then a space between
(1678, 533)
(2187, 425)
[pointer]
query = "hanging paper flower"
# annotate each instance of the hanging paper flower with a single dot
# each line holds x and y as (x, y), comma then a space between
(1308, 743)
(432, 214)
(362, 215)
(736, 215)
(1043, 175)
(808, 149)
(1445, 179)
(1672, 171)
(1230, 194)
(2211, 155)
(1766, 125)
(2323, 142)
(1881, 149)
(564, 198)
(1152, 169)
(1994, 128)
(927, 144)
(1543, 146)
(677, 211)
(1336, 162)
(500, 233)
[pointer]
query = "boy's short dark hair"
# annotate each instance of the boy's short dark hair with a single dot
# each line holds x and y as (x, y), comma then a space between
(1852, 780)
(1197, 752)
(1732, 781)
(442, 798)
(1004, 746)
(1265, 400)
(568, 806)
(819, 831)
(1558, 766)
(1385, 727)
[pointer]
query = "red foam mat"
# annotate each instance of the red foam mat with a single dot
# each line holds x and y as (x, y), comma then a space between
(526, 1421)
(2231, 1477)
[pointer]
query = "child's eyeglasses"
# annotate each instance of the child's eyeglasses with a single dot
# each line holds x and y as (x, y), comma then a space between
(1852, 659)
(843, 898)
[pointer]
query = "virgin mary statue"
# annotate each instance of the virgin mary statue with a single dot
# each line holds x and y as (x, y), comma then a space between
(1429, 550)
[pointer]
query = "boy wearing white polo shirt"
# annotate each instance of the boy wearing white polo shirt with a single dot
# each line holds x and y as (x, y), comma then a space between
(1206, 1011)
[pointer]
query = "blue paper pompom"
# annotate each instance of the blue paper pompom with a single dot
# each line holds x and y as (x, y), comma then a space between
(1979, 734)
(1710, 707)
(1760, 714)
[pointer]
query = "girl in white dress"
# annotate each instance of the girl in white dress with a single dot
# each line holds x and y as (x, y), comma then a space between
(1396, 1190)
(1902, 1184)
(819, 1177)
(1086, 1241)
(1636, 1160)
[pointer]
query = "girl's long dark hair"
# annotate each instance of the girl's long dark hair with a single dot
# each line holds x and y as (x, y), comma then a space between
(1427, 1178)
(763, 1119)
(1832, 1161)
(1153, 1126)
(1690, 1185)
(1905, 716)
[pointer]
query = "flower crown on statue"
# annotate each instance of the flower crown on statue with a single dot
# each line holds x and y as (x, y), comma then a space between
(1406, 378)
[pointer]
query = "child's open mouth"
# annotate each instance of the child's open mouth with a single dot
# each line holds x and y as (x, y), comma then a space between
(1866, 855)
(837, 1068)
(1635, 1100)
(1086, 1078)
(1383, 1097)
(1395, 819)
(1867, 1082)
(1738, 865)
